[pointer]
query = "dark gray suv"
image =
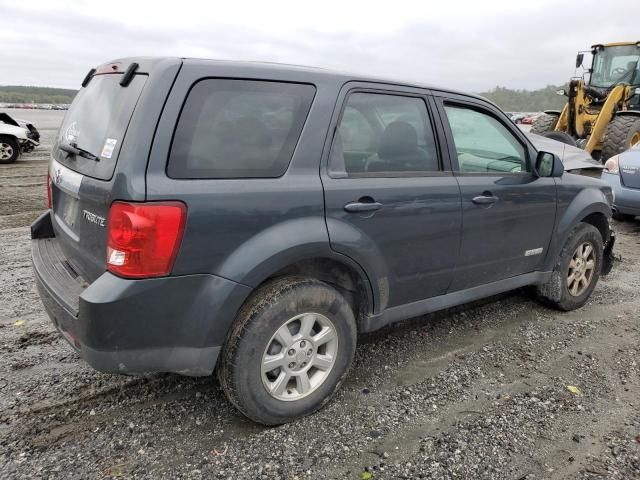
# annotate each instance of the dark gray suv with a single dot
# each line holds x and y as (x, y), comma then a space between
(257, 217)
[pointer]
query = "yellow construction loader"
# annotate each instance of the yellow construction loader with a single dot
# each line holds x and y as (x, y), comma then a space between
(602, 113)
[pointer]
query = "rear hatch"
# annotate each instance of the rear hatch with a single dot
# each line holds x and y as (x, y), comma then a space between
(630, 167)
(83, 165)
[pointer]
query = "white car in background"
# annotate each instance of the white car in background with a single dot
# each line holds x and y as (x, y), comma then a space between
(16, 137)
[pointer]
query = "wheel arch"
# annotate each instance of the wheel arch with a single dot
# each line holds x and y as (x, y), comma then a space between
(601, 222)
(11, 137)
(299, 247)
(589, 206)
(338, 271)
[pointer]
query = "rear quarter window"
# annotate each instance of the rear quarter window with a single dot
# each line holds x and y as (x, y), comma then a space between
(238, 129)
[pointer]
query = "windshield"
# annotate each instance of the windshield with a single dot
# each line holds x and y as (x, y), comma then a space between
(96, 124)
(615, 65)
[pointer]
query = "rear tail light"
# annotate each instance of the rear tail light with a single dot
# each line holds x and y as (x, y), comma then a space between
(144, 238)
(49, 197)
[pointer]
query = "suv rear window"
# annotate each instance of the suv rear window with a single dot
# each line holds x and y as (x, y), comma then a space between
(238, 129)
(97, 122)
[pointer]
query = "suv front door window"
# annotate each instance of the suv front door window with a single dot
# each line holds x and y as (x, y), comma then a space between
(483, 144)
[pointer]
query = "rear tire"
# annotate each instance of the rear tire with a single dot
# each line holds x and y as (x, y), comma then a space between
(565, 290)
(544, 123)
(620, 135)
(288, 350)
(9, 149)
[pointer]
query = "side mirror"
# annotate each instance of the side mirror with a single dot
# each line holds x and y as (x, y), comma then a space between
(579, 59)
(548, 165)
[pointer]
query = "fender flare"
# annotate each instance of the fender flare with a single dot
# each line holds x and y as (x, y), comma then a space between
(628, 113)
(587, 202)
(283, 245)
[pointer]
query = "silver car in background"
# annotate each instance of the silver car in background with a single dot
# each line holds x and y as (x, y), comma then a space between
(622, 172)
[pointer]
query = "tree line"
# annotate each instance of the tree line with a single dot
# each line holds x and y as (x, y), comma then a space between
(21, 94)
(506, 98)
(527, 100)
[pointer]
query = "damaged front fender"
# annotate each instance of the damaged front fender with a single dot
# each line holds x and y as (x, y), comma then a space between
(607, 255)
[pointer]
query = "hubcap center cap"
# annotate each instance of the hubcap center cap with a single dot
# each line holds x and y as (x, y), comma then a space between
(301, 357)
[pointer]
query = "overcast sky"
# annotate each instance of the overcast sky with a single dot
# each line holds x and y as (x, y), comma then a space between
(472, 46)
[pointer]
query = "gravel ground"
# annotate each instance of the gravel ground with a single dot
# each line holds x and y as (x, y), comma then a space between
(475, 392)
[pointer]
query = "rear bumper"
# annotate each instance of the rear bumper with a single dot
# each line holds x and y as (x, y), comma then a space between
(627, 200)
(170, 324)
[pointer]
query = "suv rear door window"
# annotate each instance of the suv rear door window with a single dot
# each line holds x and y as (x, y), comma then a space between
(382, 135)
(238, 129)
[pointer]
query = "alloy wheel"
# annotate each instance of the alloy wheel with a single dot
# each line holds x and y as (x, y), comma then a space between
(581, 269)
(6, 151)
(299, 356)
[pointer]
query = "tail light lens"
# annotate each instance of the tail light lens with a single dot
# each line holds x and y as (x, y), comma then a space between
(613, 165)
(49, 197)
(144, 238)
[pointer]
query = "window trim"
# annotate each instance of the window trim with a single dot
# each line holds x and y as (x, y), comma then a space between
(183, 103)
(343, 99)
(443, 101)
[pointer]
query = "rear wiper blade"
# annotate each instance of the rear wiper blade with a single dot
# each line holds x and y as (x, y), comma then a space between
(73, 149)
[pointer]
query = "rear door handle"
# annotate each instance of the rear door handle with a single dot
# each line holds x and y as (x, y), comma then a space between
(485, 199)
(357, 207)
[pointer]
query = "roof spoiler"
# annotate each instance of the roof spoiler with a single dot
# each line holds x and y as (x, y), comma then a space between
(124, 81)
(88, 77)
(128, 75)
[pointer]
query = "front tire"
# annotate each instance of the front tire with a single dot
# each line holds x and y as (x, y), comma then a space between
(577, 270)
(544, 123)
(9, 149)
(288, 350)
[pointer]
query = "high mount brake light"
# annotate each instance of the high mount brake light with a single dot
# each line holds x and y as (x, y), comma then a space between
(144, 238)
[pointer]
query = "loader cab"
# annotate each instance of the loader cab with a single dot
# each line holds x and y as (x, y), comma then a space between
(613, 64)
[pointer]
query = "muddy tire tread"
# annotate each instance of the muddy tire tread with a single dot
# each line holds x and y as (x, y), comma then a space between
(229, 362)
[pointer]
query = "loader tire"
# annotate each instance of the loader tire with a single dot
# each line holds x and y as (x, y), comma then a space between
(620, 135)
(544, 123)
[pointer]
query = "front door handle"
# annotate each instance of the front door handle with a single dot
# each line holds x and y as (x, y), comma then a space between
(485, 199)
(363, 205)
